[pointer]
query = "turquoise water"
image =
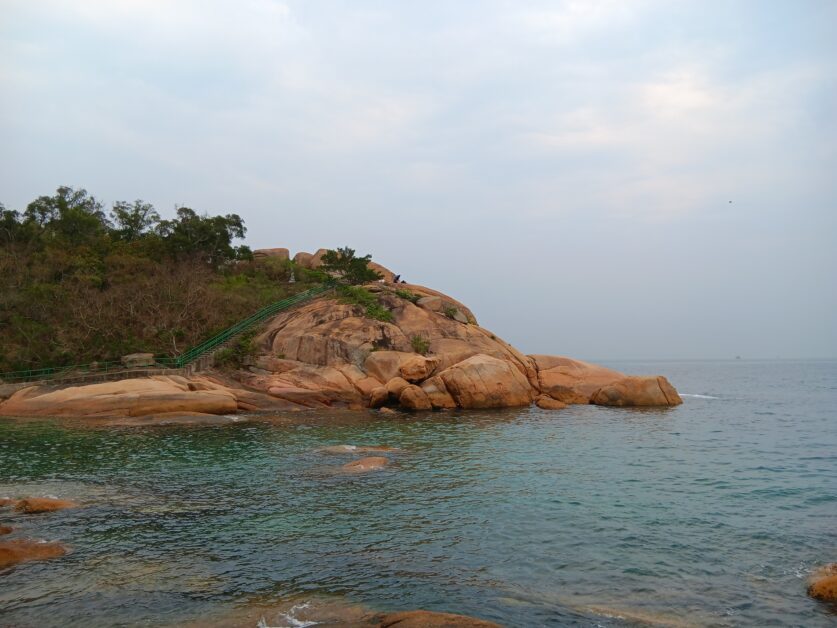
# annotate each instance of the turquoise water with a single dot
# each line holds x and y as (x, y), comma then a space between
(711, 513)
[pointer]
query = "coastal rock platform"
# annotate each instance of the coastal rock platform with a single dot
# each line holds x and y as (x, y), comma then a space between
(327, 353)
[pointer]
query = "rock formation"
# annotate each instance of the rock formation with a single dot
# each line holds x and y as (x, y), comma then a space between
(823, 584)
(432, 354)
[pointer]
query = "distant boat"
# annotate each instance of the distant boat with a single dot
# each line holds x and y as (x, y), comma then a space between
(738, 357)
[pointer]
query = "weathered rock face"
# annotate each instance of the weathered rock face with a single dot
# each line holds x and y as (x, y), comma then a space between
(278, 253)
(484, 381)
(429, 619)
(823, 584)
(571, 381)
(637, 392)
(158, 395)
(33, 505)
(21, 550)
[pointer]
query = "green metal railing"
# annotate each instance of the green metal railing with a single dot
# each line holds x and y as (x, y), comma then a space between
(184, 359)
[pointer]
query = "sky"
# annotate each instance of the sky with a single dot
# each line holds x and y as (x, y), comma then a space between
(604, 179)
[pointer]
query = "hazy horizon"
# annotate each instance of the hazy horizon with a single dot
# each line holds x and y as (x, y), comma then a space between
(604, 180)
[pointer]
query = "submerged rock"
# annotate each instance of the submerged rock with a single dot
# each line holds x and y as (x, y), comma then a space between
(21, 550)
(34, 505)
(6, 530)
(355, 449)
(372, 463)
(429, 619)
(823, 584)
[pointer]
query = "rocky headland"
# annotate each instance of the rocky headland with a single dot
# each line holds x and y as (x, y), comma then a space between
(428, 353)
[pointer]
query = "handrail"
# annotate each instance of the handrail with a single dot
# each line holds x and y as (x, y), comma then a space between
(185, 358)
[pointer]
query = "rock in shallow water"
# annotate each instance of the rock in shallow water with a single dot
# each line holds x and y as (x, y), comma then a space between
(21, 550)
(372, 463)
(640, 392)
(6, 530)
(34, 505)
(823, 584)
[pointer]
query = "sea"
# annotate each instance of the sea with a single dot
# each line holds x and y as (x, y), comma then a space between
(712, 513)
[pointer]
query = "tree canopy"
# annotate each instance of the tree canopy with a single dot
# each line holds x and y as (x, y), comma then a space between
(346, 266)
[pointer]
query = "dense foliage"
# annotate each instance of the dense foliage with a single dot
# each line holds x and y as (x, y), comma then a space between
(344, 265)
(79, 283)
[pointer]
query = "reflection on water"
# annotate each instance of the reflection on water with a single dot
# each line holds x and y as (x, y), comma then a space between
(708, 514)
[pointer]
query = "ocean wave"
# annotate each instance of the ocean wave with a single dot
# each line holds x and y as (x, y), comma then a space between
(698, 396)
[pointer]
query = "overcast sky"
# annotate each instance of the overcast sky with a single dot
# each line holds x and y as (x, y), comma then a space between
(564, 168)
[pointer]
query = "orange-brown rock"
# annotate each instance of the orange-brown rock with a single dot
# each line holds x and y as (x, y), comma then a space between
(438, 394)
(278, 253)
(395, 386)
(387, 411)
(414, 398)
(303, 259)
(637, 392)
(545, 402)
(378, 397)
(372, 463)
(33, 505)
(6, 530)
(429, 619)
(21, 550)
(822, 585)
(571, 381)
(127, 397)
(417, 368)
(6, 501)
(483, 381)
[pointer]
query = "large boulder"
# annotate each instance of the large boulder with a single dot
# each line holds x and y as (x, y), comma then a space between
(637, 392)
(484, 381)
(437, 393)
(127, 397)
(414, 398)
(280, 254)
(572, 381)
(303, 259)
(822, 585)
(21, 550)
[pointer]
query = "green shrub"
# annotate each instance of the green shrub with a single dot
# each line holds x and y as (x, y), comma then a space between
(420, 345)
(406, 294)
(358, 295)
(450, 311)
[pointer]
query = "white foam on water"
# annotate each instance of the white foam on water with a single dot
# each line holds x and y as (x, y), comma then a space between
(293, 622)
(698, 396)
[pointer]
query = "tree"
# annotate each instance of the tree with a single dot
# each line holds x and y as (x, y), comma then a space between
(133, 220)
(207, 237)
(343, 264)
(71, 215)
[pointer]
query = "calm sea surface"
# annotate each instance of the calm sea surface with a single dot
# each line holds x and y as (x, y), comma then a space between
(712, 513)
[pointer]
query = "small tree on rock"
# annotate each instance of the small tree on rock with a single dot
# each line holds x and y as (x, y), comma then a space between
(347, 267)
